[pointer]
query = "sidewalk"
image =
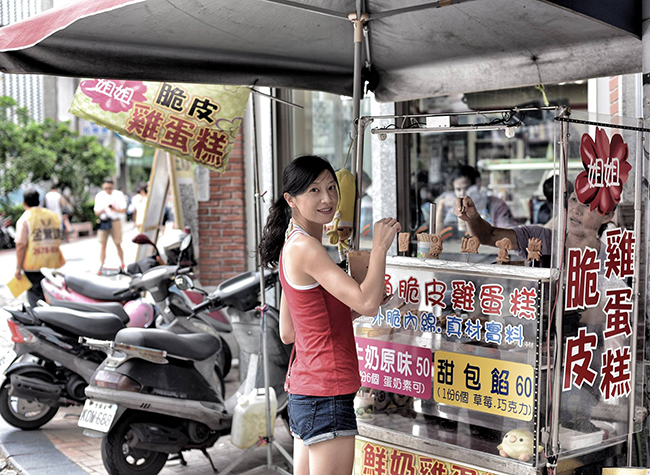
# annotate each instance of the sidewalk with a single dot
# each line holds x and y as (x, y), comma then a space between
(60, 448)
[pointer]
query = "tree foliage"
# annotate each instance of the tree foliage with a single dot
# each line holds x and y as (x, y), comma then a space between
(33, 151)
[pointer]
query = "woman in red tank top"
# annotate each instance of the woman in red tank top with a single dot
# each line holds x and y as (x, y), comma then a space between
(319, 302)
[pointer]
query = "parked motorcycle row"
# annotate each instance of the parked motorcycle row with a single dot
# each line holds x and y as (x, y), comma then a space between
(150, 376)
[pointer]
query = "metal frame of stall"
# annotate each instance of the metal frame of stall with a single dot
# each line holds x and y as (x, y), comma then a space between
(554, 276)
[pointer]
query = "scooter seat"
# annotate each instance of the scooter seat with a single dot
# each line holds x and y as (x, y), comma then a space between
(99, 288)
(195, 346)
(102, 307)
(98, 325)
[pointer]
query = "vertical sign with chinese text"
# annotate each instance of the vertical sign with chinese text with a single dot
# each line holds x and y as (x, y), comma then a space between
(599, 286)
(196, 122)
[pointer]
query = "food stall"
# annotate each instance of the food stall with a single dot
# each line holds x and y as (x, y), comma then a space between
(525, 362)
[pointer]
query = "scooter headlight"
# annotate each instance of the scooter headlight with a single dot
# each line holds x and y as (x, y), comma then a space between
(112, 380)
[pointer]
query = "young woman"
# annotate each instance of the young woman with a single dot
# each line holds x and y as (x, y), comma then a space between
(319, 301)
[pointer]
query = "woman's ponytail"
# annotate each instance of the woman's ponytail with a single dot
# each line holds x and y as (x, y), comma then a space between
(274, 232)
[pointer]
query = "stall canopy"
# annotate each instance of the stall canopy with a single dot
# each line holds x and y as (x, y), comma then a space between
(416, 48)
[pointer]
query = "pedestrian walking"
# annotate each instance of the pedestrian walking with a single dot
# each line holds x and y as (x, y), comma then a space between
(38, 240)
(319, 301)
(55, 201)
(110, 204)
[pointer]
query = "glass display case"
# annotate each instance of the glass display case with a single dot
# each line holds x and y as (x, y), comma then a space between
(482, 363)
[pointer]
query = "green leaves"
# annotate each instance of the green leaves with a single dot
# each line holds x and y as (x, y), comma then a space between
(49, 151)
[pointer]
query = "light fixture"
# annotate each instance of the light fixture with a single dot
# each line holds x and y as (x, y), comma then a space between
(510, 132)
(459, 128)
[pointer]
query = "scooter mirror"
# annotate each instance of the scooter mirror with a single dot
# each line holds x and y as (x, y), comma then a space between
(183, 282)
(142, 239)
(186, 242)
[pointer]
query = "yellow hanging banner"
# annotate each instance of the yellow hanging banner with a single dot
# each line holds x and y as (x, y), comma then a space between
(197, 122)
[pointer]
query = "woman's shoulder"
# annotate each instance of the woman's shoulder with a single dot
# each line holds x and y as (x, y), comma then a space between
(303, 244)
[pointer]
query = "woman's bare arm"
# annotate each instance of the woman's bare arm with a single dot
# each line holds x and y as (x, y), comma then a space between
(365, 298)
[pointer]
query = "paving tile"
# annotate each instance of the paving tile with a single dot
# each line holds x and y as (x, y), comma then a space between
(72, 470)
(28, 462)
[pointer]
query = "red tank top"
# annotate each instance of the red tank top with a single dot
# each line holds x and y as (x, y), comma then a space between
(326, 359)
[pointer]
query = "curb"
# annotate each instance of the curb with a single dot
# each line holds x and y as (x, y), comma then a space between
(33, 453)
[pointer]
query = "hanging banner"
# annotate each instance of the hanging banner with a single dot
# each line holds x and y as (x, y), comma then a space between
(197, 122)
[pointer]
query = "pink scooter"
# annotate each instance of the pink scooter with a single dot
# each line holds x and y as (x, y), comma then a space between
(124, 297)
(96, 293)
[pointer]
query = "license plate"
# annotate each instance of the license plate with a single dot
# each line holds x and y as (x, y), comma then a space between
(6, 359)
(97, 415)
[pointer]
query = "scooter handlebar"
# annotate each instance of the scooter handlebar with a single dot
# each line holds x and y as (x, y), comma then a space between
(206, 304)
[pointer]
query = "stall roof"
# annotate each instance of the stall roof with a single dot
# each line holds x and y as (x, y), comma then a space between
(470, 45)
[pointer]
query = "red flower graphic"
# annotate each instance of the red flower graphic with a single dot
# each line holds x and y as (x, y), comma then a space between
(606, 171)
(114, 95)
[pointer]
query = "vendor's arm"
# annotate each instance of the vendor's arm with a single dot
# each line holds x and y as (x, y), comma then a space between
(287, 332)
(477, 226)
(363, 298)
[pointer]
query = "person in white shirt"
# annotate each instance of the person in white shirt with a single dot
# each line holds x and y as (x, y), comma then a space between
(54, 200)
(109, 205)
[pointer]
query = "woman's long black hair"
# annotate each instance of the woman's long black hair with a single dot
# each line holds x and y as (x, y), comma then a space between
(297, 177)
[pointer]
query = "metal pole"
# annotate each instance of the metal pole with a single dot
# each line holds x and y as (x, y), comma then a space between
(357, 92)
(357, 86)
(559, 306)
(258, 233)
(645, 68)
(361, 127)
(638, 186)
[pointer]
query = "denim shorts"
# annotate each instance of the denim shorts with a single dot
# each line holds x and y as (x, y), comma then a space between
(318, 418)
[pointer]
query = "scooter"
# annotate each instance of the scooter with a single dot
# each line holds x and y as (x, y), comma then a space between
(84, 292)
(7, 232)
(156, 393)
(49, 367)
(93, 293)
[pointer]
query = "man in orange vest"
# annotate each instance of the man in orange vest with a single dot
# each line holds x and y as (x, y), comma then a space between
(38, 237)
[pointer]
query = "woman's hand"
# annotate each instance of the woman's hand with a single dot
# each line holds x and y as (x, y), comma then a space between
(465, 209)
(384, 233)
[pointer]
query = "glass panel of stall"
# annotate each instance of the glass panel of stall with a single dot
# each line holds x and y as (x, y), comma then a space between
(465, 352)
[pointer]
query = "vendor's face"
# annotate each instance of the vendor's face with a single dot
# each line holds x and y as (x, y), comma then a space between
(460, 186)
(108, 187)
(318, 202)
(581, 221)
